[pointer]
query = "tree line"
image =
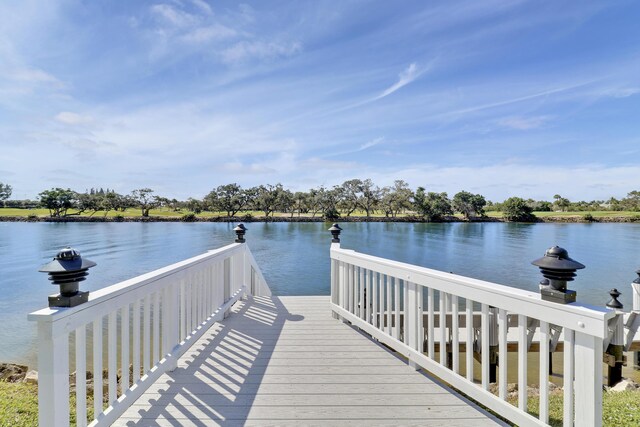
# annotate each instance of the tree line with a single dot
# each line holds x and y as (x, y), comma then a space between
(354, 195)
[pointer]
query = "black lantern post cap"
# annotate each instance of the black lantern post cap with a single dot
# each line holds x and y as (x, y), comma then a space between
(558, 268)
(335, 232)
(614, 303)
(240, 232)
(637, 278)
(67, 270)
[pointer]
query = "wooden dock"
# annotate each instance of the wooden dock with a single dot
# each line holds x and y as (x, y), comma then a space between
(286, 361)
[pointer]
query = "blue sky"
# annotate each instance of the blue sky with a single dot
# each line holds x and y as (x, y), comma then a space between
(502, 98)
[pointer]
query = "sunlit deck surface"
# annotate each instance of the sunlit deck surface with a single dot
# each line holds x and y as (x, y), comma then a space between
(286, 361)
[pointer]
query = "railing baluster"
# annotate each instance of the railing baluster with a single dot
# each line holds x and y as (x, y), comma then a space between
(544, 372)
(352, 288)
(430, 323)
(455, 350)
(136, 341)
(502, 353)
(97, 367)
(469, 339)
(146, 340)
(183, 307)
(420, 310)
(569, 371)
(124, 316)
(112, 334)
(374, 299)
(81, 376)
(405, 309)
(522, 362)
(396, 305)
(381, 296)
(367, 296)
(443, 328)
(484, 350)
(156, 327)
(389, 319)
(362, 305)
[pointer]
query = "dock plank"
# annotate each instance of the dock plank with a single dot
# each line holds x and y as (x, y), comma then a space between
(286, 361)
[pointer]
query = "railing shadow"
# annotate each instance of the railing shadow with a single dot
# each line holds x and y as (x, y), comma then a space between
(220, 381)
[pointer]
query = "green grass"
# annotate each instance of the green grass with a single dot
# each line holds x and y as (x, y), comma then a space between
(19, 405)
(169, 213)
(618, 409)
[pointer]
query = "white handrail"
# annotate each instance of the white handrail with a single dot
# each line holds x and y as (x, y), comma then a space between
(412, 308)
(154, 318)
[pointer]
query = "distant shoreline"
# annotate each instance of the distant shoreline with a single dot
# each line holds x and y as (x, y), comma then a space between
(404, 219)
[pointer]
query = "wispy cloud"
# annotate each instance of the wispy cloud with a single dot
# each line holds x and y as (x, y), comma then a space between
(524, 123)
(70, 118)
(371, 143)
(246, 50)
(407, 76)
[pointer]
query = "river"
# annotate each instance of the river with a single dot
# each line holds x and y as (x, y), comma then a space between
(294, 257)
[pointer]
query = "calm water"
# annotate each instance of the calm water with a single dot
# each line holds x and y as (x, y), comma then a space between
(294, 257)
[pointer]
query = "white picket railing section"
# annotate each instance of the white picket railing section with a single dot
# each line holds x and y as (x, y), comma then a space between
(386, 299)
(146, 322)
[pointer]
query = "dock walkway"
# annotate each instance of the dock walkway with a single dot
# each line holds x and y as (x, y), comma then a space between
(286, 361)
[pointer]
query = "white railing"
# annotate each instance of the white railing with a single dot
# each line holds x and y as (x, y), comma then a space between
(146, 324)
(387, 300)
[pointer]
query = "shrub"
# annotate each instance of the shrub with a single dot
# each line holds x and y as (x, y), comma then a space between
(189, 217)
(516, 209)
(118, 218)
(588, 217)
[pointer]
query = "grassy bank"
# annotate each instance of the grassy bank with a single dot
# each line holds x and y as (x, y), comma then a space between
(169, 214)
(19, 407)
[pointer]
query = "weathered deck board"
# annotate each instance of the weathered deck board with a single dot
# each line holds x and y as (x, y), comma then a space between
(285, 361)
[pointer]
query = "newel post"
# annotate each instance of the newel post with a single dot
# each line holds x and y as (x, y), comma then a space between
(67, 270)
(335, 230)
(614, 353)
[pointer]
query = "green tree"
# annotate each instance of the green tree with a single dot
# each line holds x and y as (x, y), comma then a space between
(5, 192)
(351, 192)
(468, 204)
(632, 201)
(194, 205)
(396, 199)
(561, 203)
(269, 198)
(145, 200)
(300, 202)
(229, 198)
(58, 201)
(432, 206)
(370, 197)
(517, 209)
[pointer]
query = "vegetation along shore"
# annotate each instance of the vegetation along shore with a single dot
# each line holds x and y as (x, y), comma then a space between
(353, 200)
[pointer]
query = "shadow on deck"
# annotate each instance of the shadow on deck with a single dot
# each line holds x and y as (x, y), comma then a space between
(286, 361)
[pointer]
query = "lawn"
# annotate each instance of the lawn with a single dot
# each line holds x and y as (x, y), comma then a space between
(169, 213)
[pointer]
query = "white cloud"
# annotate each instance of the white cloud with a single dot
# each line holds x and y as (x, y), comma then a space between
(70, 118)
(203, 6)
(524, 123)
(404, 78)
(371, 143)
(246, 50)
(173, 16)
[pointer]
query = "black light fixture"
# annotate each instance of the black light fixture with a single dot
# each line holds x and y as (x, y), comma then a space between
(67, 270)
(240, 232)
(558, 269)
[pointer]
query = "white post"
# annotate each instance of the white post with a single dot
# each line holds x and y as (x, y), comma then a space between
(636, 296)
(412, 312)
(334, 280)
(588, 380)
(53, 376)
